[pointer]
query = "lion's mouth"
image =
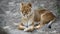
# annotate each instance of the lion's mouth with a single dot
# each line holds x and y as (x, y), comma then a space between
(25, 15)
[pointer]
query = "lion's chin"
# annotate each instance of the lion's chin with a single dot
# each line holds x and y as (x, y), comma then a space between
(25, 15)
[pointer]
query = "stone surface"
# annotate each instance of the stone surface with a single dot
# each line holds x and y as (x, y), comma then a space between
(10, 16)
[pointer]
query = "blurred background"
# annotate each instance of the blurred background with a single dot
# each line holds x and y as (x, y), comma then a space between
(10, 16)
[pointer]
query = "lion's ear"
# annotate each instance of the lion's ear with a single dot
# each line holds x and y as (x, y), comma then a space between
(30, 4)
(21, 4)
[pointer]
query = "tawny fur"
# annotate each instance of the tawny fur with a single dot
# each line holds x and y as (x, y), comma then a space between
(41, 16)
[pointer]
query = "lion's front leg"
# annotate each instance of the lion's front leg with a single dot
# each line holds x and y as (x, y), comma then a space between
(40, 25)
(21, 26)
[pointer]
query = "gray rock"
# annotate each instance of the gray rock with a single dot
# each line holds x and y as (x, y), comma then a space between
(10, 16)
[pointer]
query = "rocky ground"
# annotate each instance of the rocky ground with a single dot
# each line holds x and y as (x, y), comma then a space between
(10, 16)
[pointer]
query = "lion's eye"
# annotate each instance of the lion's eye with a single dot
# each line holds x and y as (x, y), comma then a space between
(22, 11)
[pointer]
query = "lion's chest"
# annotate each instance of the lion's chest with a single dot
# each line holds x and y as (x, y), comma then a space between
(26, 21)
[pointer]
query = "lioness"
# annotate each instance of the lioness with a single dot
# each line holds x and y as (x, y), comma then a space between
(34, 19)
